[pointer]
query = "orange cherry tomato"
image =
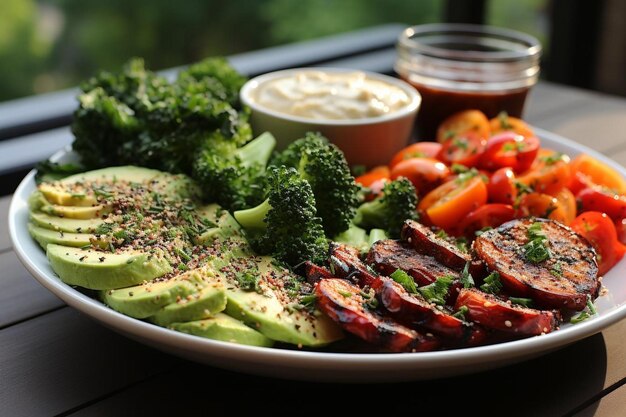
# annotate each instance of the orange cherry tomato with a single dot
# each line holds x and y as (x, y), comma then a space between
(460, 123)
(501, 186)
(548, 174)
(599, 230)
(508, 149)
(489, 215)
(567, 200)
(465, 149)
(505, 123)
(542, 205)
(373, 175)
(598, 172)
(424, 173)
(416, 150)
(448, 204)
(601, 199)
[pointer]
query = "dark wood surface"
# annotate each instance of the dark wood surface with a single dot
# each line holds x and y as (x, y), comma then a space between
(55, 361)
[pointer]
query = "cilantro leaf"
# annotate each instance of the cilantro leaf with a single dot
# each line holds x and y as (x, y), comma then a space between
(437, 291)
(492, 283)
(405, 280)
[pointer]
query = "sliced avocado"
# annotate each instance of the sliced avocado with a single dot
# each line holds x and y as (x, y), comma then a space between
(144, 300)
(175, 186)
(199, 305)
(45, 236)
(64, 225)
(224, 328)
(99, 270)
(269, 312)
(57, 193)
(78, 212)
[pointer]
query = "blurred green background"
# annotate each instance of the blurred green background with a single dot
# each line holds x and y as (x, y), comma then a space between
(48, 45)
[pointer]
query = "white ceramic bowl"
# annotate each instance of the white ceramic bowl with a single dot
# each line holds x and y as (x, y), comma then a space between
(312, 365)
(367, 141)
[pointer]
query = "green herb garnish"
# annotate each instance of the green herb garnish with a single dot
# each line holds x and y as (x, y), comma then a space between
(405, 280)
(526, 302)
(590, 310)
(466, 278)
(437, 291)
(461, 312)
(536, 250)
(248, 281)
(492, 283)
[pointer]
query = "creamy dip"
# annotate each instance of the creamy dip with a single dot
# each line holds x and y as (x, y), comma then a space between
(328, 95)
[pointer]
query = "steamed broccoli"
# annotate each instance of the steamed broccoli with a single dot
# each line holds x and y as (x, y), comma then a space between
(285, 225)
(389, 211)
(233, 177)
(138, 117)
(324, 166)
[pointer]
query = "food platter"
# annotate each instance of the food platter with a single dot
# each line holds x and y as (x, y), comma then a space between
(312, 365)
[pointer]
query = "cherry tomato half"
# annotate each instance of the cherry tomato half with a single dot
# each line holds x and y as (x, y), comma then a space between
(548, 174)
(505, 123)
(465, 149)
(460, 123)
(599, 173)
(599, 230)
(424, 173)
(567, 200)
(542, 205)
(448, 204)
(373, 175)
(620, 227)
(489, 215)
(416, 150)
(508, 149)
(601, 199)
(501, 186)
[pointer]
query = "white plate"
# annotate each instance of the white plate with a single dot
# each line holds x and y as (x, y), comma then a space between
(321, 365)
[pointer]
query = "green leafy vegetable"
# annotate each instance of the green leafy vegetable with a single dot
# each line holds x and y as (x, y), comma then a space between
(466, 278)
(405, 280)
(590, 310)
(526, 302)
(536, 250)
(437, 291)
(492, 283)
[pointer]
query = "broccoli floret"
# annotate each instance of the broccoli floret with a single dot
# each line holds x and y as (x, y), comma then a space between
(286, 225)
(137, 117)
(389, 211)
(233, 177)
(324, 166)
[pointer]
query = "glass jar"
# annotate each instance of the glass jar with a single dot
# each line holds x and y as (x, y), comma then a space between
(458, 67)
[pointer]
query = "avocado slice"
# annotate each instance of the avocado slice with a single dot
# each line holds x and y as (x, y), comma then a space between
(57, 193)
(224, 328)
(269, 311)
(45, 236)
(64, 225)
(172, 185)
(99, 270)
(199, 305)
(144, 300)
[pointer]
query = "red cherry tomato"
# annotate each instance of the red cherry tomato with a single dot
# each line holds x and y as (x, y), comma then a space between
(599, 230)
(464, 149)
(501, 186)
(603, 200)
(416, 150)
(373, 175)
(508, 149)
(424, 173)
(620, 228)
(489, 215)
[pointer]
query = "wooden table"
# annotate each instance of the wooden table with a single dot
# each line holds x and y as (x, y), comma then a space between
(55, 361)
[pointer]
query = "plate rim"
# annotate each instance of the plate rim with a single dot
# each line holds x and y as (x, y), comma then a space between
(156, 335)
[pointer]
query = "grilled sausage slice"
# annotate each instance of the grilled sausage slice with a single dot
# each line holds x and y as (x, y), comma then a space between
(564, 280)
(497, 314)
(414, 311)
(387, 256)
(426, 242)
(346, 263)
(315, 273)
(343, 303)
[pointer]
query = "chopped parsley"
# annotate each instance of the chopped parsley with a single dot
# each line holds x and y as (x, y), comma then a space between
(557, 270)
(526, 302)
(523, 188)
(437, 291)
(466, 278)
(461, 312)
(483, 230)
(458, 168)
(345, 294)
(248, 281)
(461, 244)
(536, 250)
(552, 158)
(405, 280)
(590, 310)
(492, 283)
(466, 176)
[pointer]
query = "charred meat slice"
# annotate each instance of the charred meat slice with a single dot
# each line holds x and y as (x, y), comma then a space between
(315, 273)
(497, 314)
(563, 277)
(414, 310)
(387, 256)
(343, 303)
(425, 241)
(346, 263)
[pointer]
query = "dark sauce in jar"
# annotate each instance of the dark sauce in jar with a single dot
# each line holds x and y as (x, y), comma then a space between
(437, 104)
(459, 67)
